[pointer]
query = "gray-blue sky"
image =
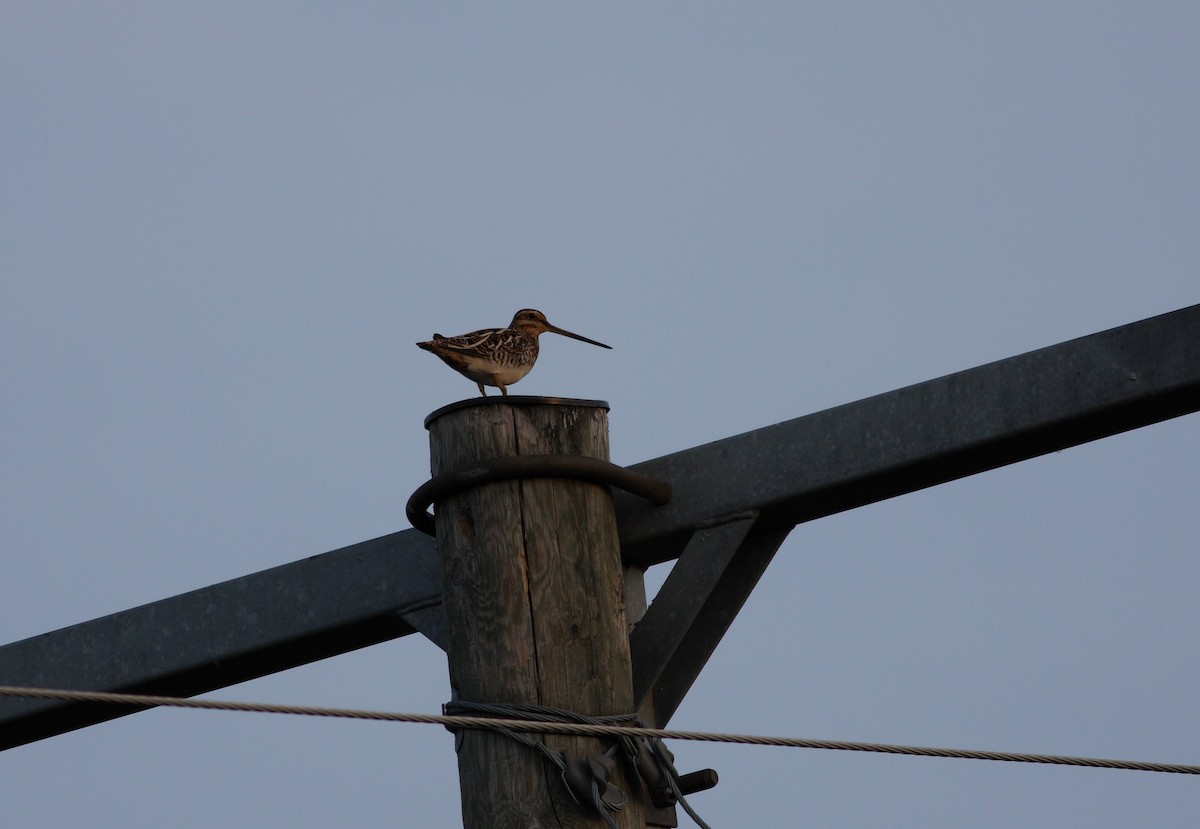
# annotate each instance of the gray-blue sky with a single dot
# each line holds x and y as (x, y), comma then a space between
(222, 228)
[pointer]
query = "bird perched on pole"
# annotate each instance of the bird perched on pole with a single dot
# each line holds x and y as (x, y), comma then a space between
(498, 356)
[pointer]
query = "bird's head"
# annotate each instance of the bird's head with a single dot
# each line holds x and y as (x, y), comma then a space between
(533, 323)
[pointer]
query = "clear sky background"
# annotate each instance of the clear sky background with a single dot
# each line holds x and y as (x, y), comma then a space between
(224, 225)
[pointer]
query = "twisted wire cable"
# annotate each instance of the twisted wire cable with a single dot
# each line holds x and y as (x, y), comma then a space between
(590, 730)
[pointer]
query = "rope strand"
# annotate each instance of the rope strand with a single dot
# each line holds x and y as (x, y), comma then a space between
(589, 730)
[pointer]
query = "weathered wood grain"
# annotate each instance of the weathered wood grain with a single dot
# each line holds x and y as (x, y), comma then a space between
(534, 607)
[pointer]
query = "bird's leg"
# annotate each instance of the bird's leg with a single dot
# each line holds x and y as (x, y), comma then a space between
(503, 390)
(481, 391)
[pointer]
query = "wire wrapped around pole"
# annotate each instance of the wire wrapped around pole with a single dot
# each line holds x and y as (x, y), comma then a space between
(574, 467)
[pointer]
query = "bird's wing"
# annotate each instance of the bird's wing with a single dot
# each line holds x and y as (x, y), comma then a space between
(467, 342)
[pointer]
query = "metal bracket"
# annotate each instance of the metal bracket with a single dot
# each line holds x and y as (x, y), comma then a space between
(427, 619)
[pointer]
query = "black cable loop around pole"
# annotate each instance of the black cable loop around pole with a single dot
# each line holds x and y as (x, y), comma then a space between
(630, 745)
(574, 467)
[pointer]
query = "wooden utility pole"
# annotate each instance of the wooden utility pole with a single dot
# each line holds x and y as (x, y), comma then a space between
(533, 601)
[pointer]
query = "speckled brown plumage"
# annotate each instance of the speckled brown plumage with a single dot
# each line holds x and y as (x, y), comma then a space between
(498, 356)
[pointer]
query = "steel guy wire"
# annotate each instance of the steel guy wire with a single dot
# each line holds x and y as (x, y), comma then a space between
(590, 730)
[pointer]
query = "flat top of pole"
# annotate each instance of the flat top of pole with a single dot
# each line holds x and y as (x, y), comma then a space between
(514, 400)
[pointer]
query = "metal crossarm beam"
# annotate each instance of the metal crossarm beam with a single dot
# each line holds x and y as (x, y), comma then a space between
(926, 434)
(224, 634)
(789, 473)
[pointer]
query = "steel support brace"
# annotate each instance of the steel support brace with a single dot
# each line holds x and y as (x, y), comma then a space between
(697, 603)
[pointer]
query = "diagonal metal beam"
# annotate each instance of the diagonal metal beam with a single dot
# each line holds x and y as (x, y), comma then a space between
(658, 634)
(224, 634)
(926, 434)
(695, 606)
